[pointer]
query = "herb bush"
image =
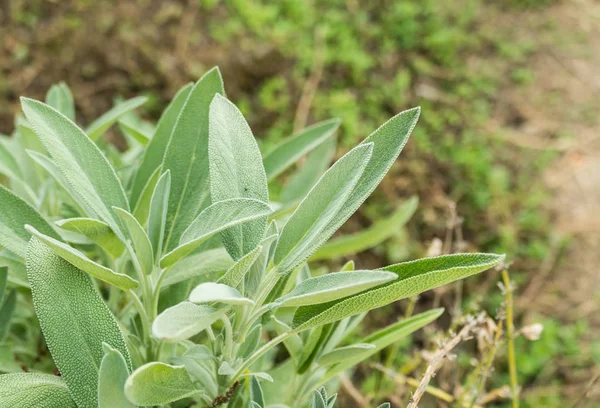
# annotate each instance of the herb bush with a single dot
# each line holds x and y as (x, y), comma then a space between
(164, 274)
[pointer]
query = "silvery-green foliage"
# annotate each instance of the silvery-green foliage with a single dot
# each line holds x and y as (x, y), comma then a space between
(168, 272)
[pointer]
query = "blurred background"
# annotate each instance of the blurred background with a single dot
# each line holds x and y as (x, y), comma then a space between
(505, 157)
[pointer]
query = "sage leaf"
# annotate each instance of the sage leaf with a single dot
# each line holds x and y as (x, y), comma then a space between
(256, 392)
(157, 217)
(112, 375)
(413, 278)
(184, 320)
(236, 171)
(303, 232)
(155, 151)
(97, 231)
(142, 208)
(109, 118)
(334, 286)
(199, 264)
(187, 158)
(288, 152)
(15, 214)
(74, 319)
(17, 274)
(139, 134)
(80, 261)
(159, 384)
(293, 343)
(251, 342)
(341, 354)
(3, 280)
(59, 96)
(215, 218)
(217, 292)
(141, 244)
(235, 275)
(34, 390)
(84, 166)
(7, 309)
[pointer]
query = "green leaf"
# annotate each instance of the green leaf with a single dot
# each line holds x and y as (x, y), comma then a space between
(80, 261)
(215, 218)
(184, 320)
(157, 218)
(59, 96)
(217, 292)
(155, 151)
(6, 311)
(293, 343)
(341, 354)
(84, 166)
(235, 275)
(158, 384)
(256, 392)
(13, 217)
(34, 390)
(3, 280)
(334, 286)
(8, 163)
(303, 232)
(369, 238)
(288, 152)
(187, 158)
(97, 231)
(141, 244)
(251, 342)
(17, 274)
(111, 379)
(316, 400)
(207, 262)
(413, 278)
(142, 208)
(104, 122)
(74, 319)
(236, 171)
(394, 332)
(137, 132)
(254, 276)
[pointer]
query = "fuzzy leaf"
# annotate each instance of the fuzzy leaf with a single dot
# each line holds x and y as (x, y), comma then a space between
(236, 171)
(413, 278)
(80, 261)
(251, 342)
(217, 292)
(7, 309)
(34, 390)
(235, 275)
(109, 118)
(256, 392)
(334, 286)
(112, 375)
(3, 280)
(187, 158)
(157, 217)
(207, 262)
(302, 234)
(293, 344)
(74, 319)
(343, 353)
(17, 274)
(97, 231)
(142, 208)
(215, 218)
(158, 384)
(59, 96)
(184, 320)
(141, 244)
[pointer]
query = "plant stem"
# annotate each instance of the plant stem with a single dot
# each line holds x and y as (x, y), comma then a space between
(228, 337)
(260, 352)
(510, 329)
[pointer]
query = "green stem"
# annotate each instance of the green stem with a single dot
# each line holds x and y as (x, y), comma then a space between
(259, 353)
(228, 337)
(510, 329)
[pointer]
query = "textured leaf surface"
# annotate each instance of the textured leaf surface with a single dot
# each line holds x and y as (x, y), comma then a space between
(79, 159)
(13, 217)
(34, 390)
(184, 320)
(236, 171)
(59, 96)
(111, 380)
(6, 311)
(303, 233)
(235, 275)
(292, 149)
(74, 319)
(142, 207)
(104, 122)
(187, 158)
(158, 384)
(217, 292)
(341, 354)
(155, 151)
(141, 244)
(202, 263)
(215, 218)
(370, 237)
(82, 262)
(157, 217)
(334, 286)
(413, 278)
(97, 231)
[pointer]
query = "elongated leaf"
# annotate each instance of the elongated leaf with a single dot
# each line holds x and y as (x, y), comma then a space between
(413, 278)
(157, 217)
(209, 292)
(303, 233)
(13, 217)
(256, 392)
(235, 275)
(59, 96)
(8, 163)
(215, 218)
(251, 342)
(184, 320)
(334, 286)
(187, 158)
(158, 384)
(369, 238)
(155, 151)
(343, 353)
(34, 390)
(142, 208)
(293, 344)
(74, 319)
(84, 166)
(111, 379)
(80, 261)
(104, 122)
(141, 244)
(236, 171)
(253, 277)
(6, 311)
(97, 231)
(292, 149)
(199, 264)
(17, 274)
(136, 132)
(3, 280)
